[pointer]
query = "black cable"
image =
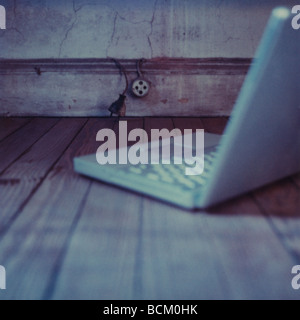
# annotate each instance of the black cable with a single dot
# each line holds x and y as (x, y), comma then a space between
(122, 69)
(118, 107)
(138, 67)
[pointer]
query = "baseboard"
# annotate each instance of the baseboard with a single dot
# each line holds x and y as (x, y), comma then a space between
(87, 87)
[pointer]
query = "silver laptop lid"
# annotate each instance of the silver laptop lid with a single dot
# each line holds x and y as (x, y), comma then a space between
(262, 141)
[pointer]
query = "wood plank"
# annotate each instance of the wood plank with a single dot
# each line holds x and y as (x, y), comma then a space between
(168, 253)
(215, 125)
(105, 227)
(10, 125)
(280, 199)
(33, 248)
(281, 202)
(18, 182)
(242, 204)
(296, 180)
(157, 123)
(85, 240)
(102, 251)
(255, 263)
(105, 236)
(188, 123)
(175, 258)
(182, 255)
(17, 143)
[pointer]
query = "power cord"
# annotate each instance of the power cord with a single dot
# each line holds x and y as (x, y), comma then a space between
(119, 107)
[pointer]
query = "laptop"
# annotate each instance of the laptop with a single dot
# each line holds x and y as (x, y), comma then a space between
(261, 143)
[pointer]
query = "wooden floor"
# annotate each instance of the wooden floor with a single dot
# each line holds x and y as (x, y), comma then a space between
(63, 236)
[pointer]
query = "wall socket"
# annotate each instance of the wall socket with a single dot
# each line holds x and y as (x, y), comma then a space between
(140, 87)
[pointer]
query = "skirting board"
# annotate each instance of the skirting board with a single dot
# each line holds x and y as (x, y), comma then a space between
(87, 87)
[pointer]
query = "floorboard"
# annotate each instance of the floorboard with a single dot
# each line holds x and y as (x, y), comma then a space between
(280, 202)
(19, 181)
(64, 236)
(106, 237)
(46, 223)
(10, 125)
(102, 250)
(296, 180)
(157, 123)
(215, 125)
(220, 256)
(188, 123)
(17, 143)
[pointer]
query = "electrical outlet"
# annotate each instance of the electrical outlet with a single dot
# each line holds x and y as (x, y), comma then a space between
(140, 87)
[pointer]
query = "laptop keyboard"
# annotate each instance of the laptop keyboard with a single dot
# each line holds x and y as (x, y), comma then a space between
(173, 173)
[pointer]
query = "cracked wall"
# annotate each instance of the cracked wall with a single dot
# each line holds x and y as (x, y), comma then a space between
(130, 30)
(133, 28)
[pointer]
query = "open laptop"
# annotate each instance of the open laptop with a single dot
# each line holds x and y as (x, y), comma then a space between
(261, 143)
